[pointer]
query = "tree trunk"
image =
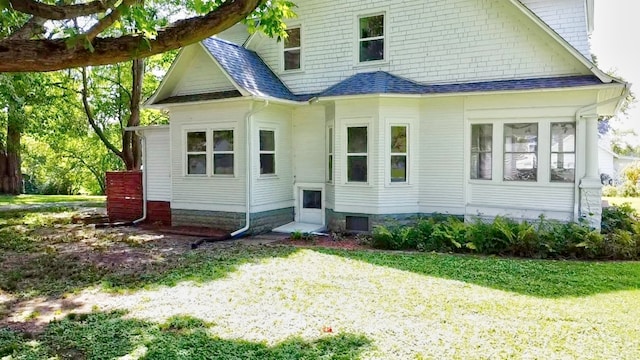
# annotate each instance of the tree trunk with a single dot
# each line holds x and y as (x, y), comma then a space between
(10, 167)
(131, 149)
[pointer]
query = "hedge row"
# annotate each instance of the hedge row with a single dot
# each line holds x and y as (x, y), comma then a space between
(619, 239)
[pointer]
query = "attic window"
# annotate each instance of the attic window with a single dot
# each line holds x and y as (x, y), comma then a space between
(292, 49)
(371, 38)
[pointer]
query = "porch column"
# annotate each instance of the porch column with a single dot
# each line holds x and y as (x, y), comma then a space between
(590, 186)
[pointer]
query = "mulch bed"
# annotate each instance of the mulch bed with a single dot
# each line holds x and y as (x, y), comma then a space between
(346, 243)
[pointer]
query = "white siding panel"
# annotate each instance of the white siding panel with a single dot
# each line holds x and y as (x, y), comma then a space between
(605, 163)
(567, 17)
(208, 192)
(273, 192)
(309, 149)
(158, 162)
(203, 76)
(440, 41)
(523, 196)
(399, 198)
(236, 34)
(351, 197)
(441, 168)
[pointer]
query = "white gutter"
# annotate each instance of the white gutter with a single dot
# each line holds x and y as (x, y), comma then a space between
(579, 115)
(249, 169)
(144, 177)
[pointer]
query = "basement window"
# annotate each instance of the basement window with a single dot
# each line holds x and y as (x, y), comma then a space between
(357, 223)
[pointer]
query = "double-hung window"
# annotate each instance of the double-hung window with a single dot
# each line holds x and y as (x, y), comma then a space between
(196, 153)
(563, 152)
(330, 155)
(371, 37)
(399, 154)
(223, 156)
(481, 151)
(357, 154)
(292, 49)
(267, 152)
(521, 152)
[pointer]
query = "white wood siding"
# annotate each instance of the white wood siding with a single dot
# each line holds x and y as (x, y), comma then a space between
(396, 198)
(567, 17)
(309, 149)
(356, 197)
(237, 34)
(605, 163)
(428, 41)
(523, 199)
(441, 168)
(203, 76)
(158, 164)
(215, 193)
(272, 192)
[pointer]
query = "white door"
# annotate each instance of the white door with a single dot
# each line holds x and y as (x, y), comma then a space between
(310, 206)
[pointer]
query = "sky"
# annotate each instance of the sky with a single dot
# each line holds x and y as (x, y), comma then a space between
(616, 43)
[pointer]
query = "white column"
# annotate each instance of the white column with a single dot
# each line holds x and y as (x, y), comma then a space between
(590, 186)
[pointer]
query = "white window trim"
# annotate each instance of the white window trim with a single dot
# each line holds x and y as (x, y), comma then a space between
(186, 153)
(574, 152)
(331, 145)
(384, 12)
(348, 154)
(544, 150)
(389, 154)
(233, 152)
(301, 48)
(537, 152)
(267, 152)
(492, 151)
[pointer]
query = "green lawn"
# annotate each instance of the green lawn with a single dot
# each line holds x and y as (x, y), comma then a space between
(274, 302)
(47, 199)
(635, 202)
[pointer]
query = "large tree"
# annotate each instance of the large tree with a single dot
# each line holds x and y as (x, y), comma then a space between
(51, 35)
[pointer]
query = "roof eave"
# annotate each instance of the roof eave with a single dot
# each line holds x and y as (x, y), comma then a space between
(463, 93)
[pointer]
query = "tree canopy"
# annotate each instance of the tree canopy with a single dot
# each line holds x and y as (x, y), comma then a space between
(47, 35)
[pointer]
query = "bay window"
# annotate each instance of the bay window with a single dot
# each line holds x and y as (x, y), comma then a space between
(196, 153)
(223, 155)
(357, 154)
(399, 154)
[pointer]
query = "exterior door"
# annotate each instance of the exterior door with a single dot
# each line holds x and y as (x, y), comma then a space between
(310, 206)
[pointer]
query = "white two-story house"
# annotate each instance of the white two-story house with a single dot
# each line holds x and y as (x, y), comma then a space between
(378, 110)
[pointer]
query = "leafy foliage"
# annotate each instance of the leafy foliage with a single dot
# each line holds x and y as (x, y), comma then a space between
(620, 237)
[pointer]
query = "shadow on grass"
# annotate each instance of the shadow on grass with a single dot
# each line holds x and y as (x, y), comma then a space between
(109, 336)
(539, 278)
(54, 274)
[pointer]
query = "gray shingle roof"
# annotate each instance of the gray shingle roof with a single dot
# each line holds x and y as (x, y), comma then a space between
(248, 70)
(381, 82)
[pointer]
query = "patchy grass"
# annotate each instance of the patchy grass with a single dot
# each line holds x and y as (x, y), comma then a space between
(256, 302)
(635, 202)
(48, 199)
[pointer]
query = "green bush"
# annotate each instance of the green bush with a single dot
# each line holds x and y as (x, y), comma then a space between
(609, 191)
(619, 239)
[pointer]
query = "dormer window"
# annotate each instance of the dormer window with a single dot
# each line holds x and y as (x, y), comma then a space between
(371, 38)
(292, 53)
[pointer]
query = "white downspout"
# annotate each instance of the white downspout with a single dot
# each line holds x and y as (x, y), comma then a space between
(144, 177)
(249, 169)
(579, 116)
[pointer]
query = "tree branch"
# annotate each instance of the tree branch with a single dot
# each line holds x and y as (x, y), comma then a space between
(60, 12)
(92, 121)
(33, 27)
(108, 20)
(49, 55)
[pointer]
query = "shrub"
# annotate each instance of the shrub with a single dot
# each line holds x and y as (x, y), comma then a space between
(609, 191)
(396, 237)
(621, 217)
